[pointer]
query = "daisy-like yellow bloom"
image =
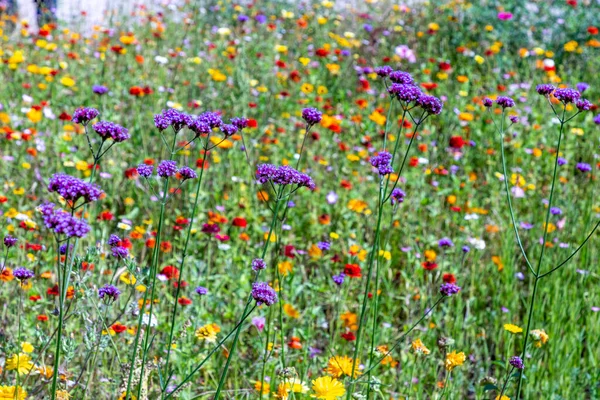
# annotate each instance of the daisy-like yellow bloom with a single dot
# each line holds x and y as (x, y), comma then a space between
(513, 328)
(327, 388)
(19, 362)
(419, 348)
(502, 398)
(454, 360)
(262, 387)
(540, 337)
(290, 385)
(339, 366)
(208, 332)
(62, 395)
(12, 393)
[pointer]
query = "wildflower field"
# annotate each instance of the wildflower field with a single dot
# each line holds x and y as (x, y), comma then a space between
(295, 200)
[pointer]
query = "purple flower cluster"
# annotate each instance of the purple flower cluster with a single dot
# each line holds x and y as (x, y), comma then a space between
(283, 175)
(505, 102)
(263, 294)
(172, 118)
(201, 290)
(212, 119)
(229, 129)
(312, 116)
(405, 92)
(10, 241)
(430, 104)
(62, 223)
(487, 102)
(99, 89)
(324, 246)
(339, 279)
(72, 189)
(545, 89)
(584, 167)
(108, 292)
(187, 173)
(583, 105)
(383, 71)
(166, 168)
(84, 115)
(517, 362)
(397, 196)
(145, 170)
(382, 162)
(567, 95)
(401, 77)
(239, 122)
(445, 242)
(110, 130)
(258, 264)
(23, 274)
(448, 289)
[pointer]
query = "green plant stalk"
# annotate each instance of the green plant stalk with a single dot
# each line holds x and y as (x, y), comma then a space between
(249, 301)
(181, 268)
(539, 264)
(19, 336)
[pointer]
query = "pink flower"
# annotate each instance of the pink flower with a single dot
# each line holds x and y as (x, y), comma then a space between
(259, 323)
(504, 16)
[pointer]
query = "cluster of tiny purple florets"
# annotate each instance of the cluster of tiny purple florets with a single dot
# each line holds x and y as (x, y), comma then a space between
(404, 89)
(382, 162)
(62, 223)
(283, 175)
(258, 264)
(166, 168)
(23, 274)
(312, 116)
(172, 118)
(397, 196)
(108, 292)
(84, 115)
(187, 173)
(263, 294)
(72, 189)
(10, 241)
(110, 130)
(116, 250)
(505, 102)
(448, 289)
(567, 95)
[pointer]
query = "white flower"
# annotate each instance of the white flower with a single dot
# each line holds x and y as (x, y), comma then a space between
(161, 60)
(479, 244)
(146, 318)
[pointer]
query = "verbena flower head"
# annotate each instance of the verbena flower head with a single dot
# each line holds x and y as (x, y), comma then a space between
(145, 170)
(166, 168)
(405, 92)
(119, 252)
(263, 294)
(487, 102)
(584, 167)
(448, 289)
(212, 119)
(187, 173)
(382, 162)
(339, 279)
(445, 242)
(62, 223)
(23, 274)
(597, 119)
(109, 292)
(324, 246)
(10, 241)
(466, 249)
(239, 122)
(258, 264)
(114, 240)
(517, 362)
(397, 196)
(199, 127)
(99, 89)
(201, 290)
(583, 105)
(582, 86)
(430, 104)
(505, 102)
(72, 189)
(229, 129)
(84, 115)
(173, 118)
(567, 95)
(283, 175)
(312, 116)
(545, 89)
(401, 77)
(110, 130)
(514, 119)
(384, 71)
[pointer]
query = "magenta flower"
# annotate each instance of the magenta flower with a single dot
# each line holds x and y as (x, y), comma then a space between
(504, 16)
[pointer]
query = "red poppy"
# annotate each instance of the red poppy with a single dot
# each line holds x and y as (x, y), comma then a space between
(42, 318)
(118, 328)
(290, 251)
(170, 272)
(240, 222)
(349, 336)
(295, 343)
(457, 142)
(184, 301)
(429, 265)
(449, 278)
(352, 270)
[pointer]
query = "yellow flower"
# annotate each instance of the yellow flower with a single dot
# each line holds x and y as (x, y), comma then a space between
(263, 387)
(378, 118)
(290, 385)
(357, 205)
(454, 360)
(34, 115)
(285, 267)
(540, 337)
(327, 388)
(208, 332)
(502, 398)
(21, 363)
(339, 366)
(66, 81)
(430, 255)
(290, 311)
(26, 347)
(307, 88)
(12, 393)
(127, 278)
(62, 395)
(419, 348)
(512, 328)
(571, 46)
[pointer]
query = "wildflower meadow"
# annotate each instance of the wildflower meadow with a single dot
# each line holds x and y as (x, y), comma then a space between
(307, 199)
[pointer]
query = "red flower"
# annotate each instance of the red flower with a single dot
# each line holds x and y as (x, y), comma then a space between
(322, 53)
(53, 291)
(118, 328)
(429, 265)
(457, 142)
(184, 301)
(170, 272)
(295, 343)
(240, 222)
(352, 270)
(42, 318)
(289, 251)
(592, 30)
(449, 278)
(349, 336)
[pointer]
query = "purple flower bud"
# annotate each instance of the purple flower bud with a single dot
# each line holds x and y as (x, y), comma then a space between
(145, 170)
(258, 264)
(114, 240)
(445, 242)
(397, 196)
(382, 162)
(584, 167)
(23, 274)
(401, 77)
(166, 168)
(405, 92)
(84, 115)
(229, 130)
(514, 119)
(339, 279)
(517, 362)
(505, 102)
(187, 173)
(383, 71)
(109, 293)
(312, 116)
(430, 104)
(583, 105)
(448, 289)
(99, 89)
(202, 291)
(10, 241)
(466, 249)
(487, 102)
(263, 294)
(545, 89)
(110, 130)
